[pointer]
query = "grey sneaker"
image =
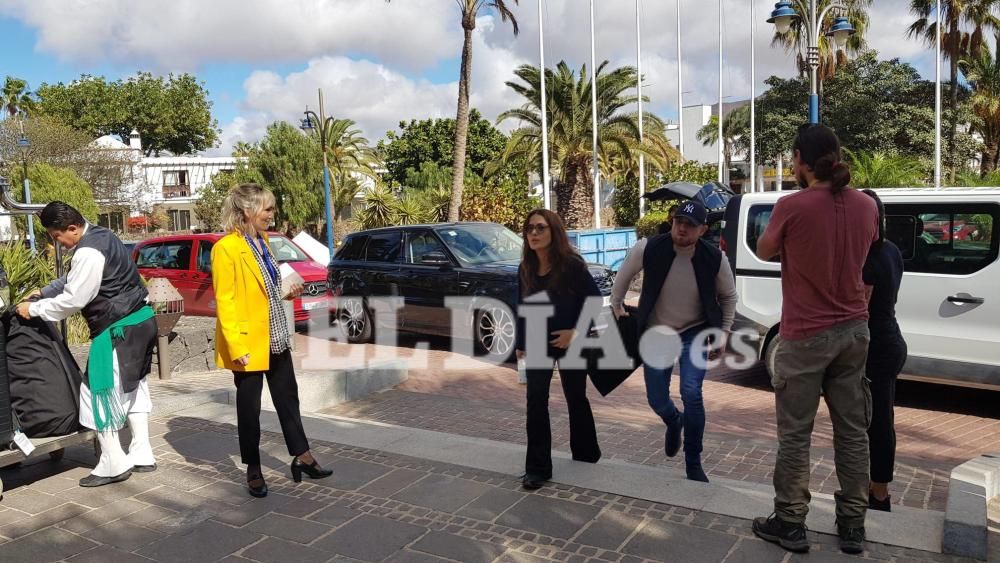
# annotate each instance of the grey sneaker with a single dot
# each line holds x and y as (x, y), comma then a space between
(788, 535)
(852, 540)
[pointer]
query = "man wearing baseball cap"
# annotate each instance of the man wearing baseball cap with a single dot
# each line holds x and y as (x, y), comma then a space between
(687, 287)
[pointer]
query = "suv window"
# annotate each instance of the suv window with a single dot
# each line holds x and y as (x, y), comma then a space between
(149, 256)
(205, 256)
(420, 244)
(353, 249)
(383, 247)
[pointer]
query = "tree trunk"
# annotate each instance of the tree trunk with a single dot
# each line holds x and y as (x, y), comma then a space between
(575, 193)
(988, 163)
(953, 100)
(461, 124)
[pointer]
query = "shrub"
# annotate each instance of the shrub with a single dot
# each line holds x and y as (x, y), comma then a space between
(649, 224)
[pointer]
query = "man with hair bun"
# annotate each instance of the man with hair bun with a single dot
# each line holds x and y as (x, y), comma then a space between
(822, 235)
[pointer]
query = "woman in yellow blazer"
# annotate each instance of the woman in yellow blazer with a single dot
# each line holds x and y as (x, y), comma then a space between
(252, 337)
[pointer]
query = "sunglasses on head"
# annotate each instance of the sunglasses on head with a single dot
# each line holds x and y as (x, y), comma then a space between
(535, 228)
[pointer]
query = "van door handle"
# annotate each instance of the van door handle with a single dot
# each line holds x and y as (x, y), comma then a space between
(966, 300)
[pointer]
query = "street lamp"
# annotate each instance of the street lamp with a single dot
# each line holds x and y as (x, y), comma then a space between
(24, 144)
(322, 123)
(786, 12)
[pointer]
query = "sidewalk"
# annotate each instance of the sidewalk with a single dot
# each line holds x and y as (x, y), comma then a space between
(377, 506)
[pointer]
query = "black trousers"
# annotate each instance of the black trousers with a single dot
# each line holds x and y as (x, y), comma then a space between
(582, 432)
(885, 362)
(285, 396)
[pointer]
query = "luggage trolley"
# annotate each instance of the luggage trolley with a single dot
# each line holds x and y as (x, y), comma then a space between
(54, 446)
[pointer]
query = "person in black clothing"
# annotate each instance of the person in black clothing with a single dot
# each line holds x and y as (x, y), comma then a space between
(882, 275)
(549, 264)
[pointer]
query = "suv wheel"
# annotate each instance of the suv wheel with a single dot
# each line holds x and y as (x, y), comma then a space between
(494, 331)
(355, 321)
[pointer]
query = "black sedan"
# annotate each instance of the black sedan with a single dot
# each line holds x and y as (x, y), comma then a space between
(423, 264)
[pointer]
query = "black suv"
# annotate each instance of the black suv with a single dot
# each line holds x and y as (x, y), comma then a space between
(425, 263)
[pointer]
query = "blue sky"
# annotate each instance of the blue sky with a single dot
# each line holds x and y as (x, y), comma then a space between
(262, 60)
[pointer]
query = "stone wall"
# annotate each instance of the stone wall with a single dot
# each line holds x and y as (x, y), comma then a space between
(192, 347)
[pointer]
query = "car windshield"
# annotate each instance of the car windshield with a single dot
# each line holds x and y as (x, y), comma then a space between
(285, 250)
(476, 244)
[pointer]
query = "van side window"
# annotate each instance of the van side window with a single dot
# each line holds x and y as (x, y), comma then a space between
(956, 238)
(205, 256)
(757, 220)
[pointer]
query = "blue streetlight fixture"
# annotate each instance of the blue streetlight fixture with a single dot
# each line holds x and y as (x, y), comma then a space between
(321, 123)
(786, 12)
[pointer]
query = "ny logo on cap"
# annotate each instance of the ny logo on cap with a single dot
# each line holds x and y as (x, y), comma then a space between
(689, 208)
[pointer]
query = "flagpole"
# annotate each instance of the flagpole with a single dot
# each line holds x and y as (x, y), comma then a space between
(546, 183)
(753, 100)
(680, 85)
(642, 161)
(937, 100)
(593, 109)
(720, 141)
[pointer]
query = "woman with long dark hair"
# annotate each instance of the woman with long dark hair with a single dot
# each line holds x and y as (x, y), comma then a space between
(549, 264)
(882, 275)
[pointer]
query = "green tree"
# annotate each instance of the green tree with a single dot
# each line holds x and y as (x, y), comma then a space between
(795, 40)
(171, 113)
(17, 100)
(885, 170)
(983, 73)
(735, 133)
(433, 140)
(570, 135)
(208, 206)
(290, 164)
(48, 184)
(965, 23)
(432, 186)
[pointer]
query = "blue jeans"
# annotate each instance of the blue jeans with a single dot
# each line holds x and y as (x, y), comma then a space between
(692, 377)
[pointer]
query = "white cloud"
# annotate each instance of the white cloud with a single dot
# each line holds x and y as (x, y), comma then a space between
(370, 56)
(181, 34)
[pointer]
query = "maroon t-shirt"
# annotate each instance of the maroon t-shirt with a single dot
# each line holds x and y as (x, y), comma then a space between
(824, 240)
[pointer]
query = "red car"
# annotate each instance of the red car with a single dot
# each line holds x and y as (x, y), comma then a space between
(186, 260)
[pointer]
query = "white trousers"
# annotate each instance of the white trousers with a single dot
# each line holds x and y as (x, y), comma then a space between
(137, 405)
(138, 401)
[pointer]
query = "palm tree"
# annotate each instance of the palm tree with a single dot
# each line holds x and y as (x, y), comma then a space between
(570, 130)
(735, 134)
(243, 149)
(976, 16)
(884, 170)
(350, 158)
(469, 9)
(17, 99)
(983, 74)
(830, 57)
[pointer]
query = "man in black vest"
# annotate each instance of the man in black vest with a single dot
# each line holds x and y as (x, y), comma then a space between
(104, 285)
(687, 288)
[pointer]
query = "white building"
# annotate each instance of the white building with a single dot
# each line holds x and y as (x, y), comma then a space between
(171, 183)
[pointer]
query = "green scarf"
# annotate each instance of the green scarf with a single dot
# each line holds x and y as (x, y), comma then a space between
(108, 414)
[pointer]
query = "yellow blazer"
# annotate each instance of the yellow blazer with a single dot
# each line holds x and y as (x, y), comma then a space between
(242, 323)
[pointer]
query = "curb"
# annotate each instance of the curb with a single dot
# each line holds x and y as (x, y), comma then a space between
(966, 525)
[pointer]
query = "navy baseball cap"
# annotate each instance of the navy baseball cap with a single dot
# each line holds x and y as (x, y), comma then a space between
(692, 210)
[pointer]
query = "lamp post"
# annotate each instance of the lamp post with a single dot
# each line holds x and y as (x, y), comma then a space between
(784, 14)
(24, 144)
(321, 123)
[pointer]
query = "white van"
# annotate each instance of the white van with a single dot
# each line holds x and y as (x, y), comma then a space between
(949, 300)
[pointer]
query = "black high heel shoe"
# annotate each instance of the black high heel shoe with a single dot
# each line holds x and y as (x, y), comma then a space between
(259, 491)
(313, 470)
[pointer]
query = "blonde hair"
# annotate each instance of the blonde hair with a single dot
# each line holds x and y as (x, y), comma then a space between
(242, 200)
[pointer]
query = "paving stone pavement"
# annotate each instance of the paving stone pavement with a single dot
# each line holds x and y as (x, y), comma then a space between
(376, 507)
